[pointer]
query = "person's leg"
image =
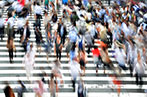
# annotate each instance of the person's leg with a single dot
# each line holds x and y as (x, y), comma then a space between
(39, 48)
(131, 70)
(59, 55)
(118, 89)
(88, 51)
(1, 33)
(136, 79)
(11, 55)
(84, 70)
(141, 81)
(73, 84)
(96, 69)
(47, 55)
(104, 67)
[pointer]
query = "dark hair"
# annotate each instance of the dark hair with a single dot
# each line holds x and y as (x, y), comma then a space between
(52, 75)
(95, 47)
(9, 14)
(45, 12)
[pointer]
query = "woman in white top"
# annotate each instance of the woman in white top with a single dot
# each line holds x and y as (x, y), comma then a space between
(75, 71)
(139, 69)
(56, 70)
(29, 61)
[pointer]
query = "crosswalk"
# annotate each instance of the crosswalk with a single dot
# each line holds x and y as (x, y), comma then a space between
(97, 86)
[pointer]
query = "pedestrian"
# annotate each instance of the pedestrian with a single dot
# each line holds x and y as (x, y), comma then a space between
(26, 33)
(88, 39)
(8, 91)
(46, 4)
(29, 61)
(11, 47)
(139, 69)
(48, 46)
(10, 25)
(40, 90)
(52, 86)
(20, 28)
(106, 59)
(115, 82)
(96, 58)
(57, 72)
(62, 32)
(82, 61)
(39, 39)
(75, 71)
(22, 89)
(58, 47)
(121, 58)
(81, 88)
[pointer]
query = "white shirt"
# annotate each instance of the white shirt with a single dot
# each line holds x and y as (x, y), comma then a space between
(75, 69)
(120, 56)
(38, 10)
(18, 8)
(20, 22)
(139, 68)
(92, 30)
(11, 22)
(125, 29)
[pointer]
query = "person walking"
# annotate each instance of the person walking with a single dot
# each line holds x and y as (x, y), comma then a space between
(11, 47)
(22, 89)
(75, 71)
(58, 47)
(39, 91)
(97, 58)
(8, 91)
(29, 61)
(56, 70)
(139, 69)
(52, 86)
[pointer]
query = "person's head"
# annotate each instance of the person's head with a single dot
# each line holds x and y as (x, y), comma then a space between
(9, 14)
(95, 47)
(58, 36)
(38, 3)
(52, 76)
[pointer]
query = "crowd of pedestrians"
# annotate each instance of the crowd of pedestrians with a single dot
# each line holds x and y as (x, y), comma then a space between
(121, 26)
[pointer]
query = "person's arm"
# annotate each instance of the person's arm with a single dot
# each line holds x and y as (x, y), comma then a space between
(7, 45)
(55, 48)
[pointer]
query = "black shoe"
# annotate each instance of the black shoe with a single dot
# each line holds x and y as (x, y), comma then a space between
(11, 61)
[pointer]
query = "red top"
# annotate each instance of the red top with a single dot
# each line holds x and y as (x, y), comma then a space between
(96, 52)
(115, 80)
(22, 2)
(102, 44)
